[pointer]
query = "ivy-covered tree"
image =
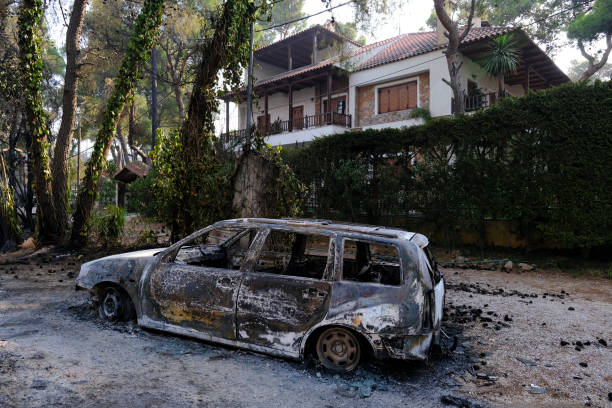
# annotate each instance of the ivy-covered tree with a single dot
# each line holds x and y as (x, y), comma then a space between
(31, 65)
(146, 31)
(227, 51)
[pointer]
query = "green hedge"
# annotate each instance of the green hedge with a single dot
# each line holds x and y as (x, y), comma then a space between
(543, 160)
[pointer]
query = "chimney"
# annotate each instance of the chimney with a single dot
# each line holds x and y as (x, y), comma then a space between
(449, 6)
(330, 25)
(476, 22)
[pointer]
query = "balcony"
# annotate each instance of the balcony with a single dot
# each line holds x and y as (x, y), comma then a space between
(298, 129)
(479, 100)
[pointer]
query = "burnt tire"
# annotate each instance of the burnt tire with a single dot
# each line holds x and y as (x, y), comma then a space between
(115, 305)
(338, 349)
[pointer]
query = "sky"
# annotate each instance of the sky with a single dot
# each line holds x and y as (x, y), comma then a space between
(411, 17)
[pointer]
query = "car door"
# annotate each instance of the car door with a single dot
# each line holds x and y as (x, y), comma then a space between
(197, 289)
(286, 290)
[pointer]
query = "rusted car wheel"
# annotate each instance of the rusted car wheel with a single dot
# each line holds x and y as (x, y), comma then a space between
(115, 305)
(338, 349)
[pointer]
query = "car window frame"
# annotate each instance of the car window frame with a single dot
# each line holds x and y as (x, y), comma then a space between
(260, 240)
(369, 240)
(169, 256)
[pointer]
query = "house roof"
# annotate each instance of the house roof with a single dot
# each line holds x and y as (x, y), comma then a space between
(304, 33)
(412, 44)
(320, 66)
(409, 45)
(132, 171)
(533, 59)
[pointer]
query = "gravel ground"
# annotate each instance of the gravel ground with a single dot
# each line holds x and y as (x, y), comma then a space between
(55, 351)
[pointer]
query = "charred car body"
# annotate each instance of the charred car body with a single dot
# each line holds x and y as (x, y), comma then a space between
(282, 287)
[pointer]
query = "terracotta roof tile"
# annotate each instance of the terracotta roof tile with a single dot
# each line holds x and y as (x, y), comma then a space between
(412, 44)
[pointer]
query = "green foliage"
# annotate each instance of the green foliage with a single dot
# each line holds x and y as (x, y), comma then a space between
(108, 186)
(422, 113)
(198, 190)
(7, 212)
(541, 160)
(140, 195)
(589, 26)
(146, 31)
(502, 56)
(286, 194)
(286, 10)
(108, 225)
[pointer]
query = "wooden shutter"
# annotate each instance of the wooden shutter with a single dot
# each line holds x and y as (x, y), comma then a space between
(412, 95)
(398, 97)
(383, 100)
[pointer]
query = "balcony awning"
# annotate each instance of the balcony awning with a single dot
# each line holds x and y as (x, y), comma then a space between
(543, 72)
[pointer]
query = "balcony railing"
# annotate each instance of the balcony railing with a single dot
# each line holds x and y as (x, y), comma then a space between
(305, 122)
(481, 100)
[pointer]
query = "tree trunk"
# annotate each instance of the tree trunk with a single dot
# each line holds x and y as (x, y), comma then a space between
(124, 148)
(595, 66)
(12, 156)
(179, 99)
(29, 199)
(145, 34)
(30, 58)
(452, 53)
(69, 103)
(132, 130)
(154, 121)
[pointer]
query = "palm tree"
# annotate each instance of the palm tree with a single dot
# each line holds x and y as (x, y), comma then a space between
(501, 58)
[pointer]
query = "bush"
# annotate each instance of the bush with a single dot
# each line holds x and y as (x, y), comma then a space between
(542, 160)
(108, 225)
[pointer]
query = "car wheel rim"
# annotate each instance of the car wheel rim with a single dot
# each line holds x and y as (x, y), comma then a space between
(111, 304)
(340, 349)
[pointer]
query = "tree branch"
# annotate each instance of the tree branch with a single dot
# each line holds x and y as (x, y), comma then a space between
(469, 22)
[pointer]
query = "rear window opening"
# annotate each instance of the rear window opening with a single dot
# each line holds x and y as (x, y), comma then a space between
(294, 254)
(371, 262)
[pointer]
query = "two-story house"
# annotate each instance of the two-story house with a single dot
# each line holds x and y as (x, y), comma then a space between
(376, 85)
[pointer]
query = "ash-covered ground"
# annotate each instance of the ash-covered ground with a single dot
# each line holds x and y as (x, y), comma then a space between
(532, 339)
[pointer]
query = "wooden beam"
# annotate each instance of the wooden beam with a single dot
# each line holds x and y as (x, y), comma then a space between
(290, 107)
(329, 94)
(266, 121)
(227, 117)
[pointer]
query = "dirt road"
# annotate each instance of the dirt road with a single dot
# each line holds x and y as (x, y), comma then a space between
(55, 351)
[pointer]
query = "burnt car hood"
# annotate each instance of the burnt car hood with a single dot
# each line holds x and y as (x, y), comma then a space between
(118, 268)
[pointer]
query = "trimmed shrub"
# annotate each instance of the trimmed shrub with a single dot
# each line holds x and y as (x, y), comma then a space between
(542, 160)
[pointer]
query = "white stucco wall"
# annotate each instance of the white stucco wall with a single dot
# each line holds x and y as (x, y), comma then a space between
(473, 71)
(262, 70)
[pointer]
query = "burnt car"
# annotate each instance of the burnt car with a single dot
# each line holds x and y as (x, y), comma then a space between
(283, 287)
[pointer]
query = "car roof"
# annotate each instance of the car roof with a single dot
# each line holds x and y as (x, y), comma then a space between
(380, 231)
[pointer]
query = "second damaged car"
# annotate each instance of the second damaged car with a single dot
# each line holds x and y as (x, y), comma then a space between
(283, 287)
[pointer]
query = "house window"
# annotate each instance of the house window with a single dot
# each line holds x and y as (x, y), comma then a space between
(397, 97)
